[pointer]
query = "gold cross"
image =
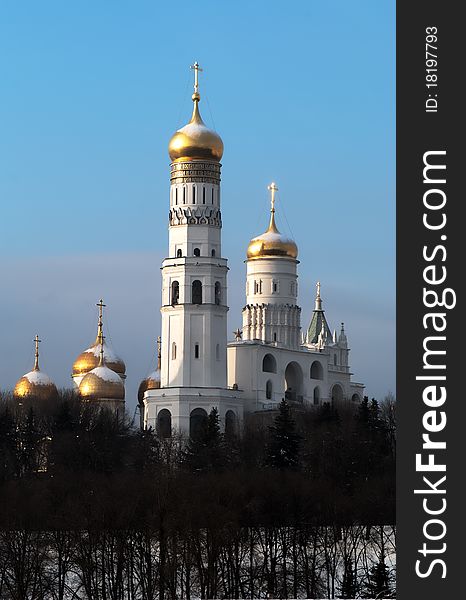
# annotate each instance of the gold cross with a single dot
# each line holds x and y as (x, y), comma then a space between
(273, 188)
(318, 289)
(101, 306)
(196, 69)
(36, 355)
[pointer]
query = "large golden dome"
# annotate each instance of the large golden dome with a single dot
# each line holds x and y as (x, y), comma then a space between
(102, 383)
(35, 384)
(272, 243)
(195, 141)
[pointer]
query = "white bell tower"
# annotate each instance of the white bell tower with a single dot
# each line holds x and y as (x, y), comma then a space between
(194, 276)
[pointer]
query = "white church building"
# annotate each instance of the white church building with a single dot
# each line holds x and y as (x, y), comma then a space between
(270, 358)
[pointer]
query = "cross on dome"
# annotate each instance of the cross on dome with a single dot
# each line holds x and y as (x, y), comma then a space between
(36, 355)
(273, 189)
(196, 68)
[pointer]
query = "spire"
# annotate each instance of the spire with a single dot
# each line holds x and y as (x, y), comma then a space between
(318, 328)
(273, 189)
(101, 353)
(36, 354)
(159, 353)
(318, 303)
(196, 117)
(342, 339)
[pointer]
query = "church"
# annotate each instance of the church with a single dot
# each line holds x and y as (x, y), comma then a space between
(270, 358)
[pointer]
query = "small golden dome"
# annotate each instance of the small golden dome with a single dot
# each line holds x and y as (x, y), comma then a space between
(272, 243)
(100, 384)
(89, 359)
(35, 384)
(152, 381)
(195, 141)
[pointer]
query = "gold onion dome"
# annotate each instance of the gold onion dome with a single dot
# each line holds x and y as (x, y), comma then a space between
(152, 381)
(272, 243)
(36, 383)
(89, 359)
(195, 141)
(102, 382)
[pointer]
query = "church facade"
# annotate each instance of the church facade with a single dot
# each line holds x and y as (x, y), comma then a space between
(270, 358)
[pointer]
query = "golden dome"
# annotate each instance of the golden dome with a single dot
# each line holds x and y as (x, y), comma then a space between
(195, 141)
(102, 383)
(272, 243)
(35, 384)
(89, 359)
(152, 381)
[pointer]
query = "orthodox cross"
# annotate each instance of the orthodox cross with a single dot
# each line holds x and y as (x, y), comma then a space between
(196, 69)
(36, 355)
(273, 188)
(318, 289)
(101, 306)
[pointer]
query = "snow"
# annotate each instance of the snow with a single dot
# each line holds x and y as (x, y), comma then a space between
(38, 377)
(109, 355)
(106, 374)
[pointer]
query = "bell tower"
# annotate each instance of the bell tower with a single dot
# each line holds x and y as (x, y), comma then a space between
(194, 276)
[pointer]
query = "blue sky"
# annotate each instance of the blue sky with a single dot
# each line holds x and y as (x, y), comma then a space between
(302, 93)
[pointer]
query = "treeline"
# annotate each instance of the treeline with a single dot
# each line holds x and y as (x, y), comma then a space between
(217, 562)
(268, 511)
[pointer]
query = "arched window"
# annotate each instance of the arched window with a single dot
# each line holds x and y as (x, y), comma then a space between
(335, 359)
(184, 195)
(203, 195)
(179, 253)
(176, 195)
(268, 390)
(274, 337)
(194, 194)
(212, 195)
(231, 424)
(175, 292)
(197, 423)
(196, 350)
(317, 372)
(355, 398)
(269, 364)
(173, 351)
(213, 251)
(196, 292)
(164, 423)
(197, 252)
(218, 292)
(337, 393)
(316, 395)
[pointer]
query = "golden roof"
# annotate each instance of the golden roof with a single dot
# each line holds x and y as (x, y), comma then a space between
(272, 243)
(35, 384)
(89, 359)
(102, 383)
(195, 141)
